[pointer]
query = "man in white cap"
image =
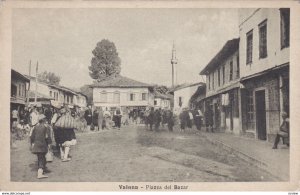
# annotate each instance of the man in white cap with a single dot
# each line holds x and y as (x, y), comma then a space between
(34, 118)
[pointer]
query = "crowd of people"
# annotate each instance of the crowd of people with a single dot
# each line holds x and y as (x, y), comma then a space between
(44, 125)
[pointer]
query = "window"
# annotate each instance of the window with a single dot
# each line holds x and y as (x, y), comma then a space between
(223, 74)
(237, 67)
(231, 71)
(209, 82)
(19, 89)
(285, 27)
(155, 102)
(213, 81)
(250, 110)
(180, 101)
(116, 97)
(103, 96)
(13, 90)
(51, 93)
(219, 79)
(249, 47)
(132, 97)
(263, 39)
(144, 96)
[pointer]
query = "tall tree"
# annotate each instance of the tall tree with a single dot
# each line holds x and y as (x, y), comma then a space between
(49, 77)
(106, 61)
(86, 90)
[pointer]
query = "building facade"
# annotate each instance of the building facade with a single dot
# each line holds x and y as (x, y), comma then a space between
(162, 101)
(223, 88)
(18, 90)
(122, 92)
(264, 69)
(182, 96)
(55, 95)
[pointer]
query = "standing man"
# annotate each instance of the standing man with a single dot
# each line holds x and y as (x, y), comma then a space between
(107, 117)
(170, 120)
(157, 119)
(151, 118)
(34, 119)
(100, 118)
(88, 117)
(198, 118)
(118, 118)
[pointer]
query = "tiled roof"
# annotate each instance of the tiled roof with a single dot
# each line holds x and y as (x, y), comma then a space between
(120, 81)
(19, 75)
(228, 49)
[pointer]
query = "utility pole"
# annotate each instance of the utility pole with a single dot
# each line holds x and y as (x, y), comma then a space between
(36, 80)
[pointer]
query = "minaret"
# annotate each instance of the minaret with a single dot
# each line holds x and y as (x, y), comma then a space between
(173, 62)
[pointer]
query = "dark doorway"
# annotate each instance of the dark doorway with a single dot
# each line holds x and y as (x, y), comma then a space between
(231, 108)
(217, 116)
(260, 101)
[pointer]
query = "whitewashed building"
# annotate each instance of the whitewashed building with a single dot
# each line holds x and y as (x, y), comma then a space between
(122, 92)
(264, 70)
(162, 101)
(182, 96)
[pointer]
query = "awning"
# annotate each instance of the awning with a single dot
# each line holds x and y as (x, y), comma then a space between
(224, 89)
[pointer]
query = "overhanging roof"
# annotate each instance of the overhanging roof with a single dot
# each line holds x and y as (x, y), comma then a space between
(228, 49)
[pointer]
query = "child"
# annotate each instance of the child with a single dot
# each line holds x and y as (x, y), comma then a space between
(40, 143)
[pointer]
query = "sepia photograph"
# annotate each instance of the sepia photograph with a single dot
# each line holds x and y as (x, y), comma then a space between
(129, 95)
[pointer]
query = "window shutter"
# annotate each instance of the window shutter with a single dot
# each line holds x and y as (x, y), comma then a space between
(128, 96)
(140, 96)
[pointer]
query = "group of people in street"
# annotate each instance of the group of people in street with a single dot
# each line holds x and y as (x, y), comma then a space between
(157, 118)
(100, 119)
(190, 117)
(44, 124)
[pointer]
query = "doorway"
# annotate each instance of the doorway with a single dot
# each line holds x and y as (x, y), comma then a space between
(261, 114)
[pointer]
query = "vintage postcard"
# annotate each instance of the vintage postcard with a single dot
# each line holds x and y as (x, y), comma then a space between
(149, 96)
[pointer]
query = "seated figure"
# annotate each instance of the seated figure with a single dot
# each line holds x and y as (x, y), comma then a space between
(284, 131)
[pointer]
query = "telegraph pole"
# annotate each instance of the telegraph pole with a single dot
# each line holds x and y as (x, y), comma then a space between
(36, 80)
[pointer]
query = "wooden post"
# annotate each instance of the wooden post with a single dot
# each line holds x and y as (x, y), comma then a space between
(36, 80)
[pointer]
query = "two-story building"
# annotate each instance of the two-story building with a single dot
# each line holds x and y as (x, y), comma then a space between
(162, 101)
(223, 87)
(18, 90)
(264, 69)
(182, 96)
(55, 95)
(122, 92)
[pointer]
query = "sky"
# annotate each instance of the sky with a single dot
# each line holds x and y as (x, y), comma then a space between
(62, 40)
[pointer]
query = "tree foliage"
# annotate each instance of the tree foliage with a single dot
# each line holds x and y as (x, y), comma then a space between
(106, 61)
(86, 90)
(49, 77)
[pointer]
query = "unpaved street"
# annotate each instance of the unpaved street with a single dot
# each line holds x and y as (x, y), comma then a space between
(136, 154)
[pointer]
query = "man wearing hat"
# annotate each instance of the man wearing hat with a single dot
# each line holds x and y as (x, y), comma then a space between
(40, 144)
(34, 115)
(284, 130)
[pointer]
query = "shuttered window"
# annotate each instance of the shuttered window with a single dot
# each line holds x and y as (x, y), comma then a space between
(116, 97)
(249, 47)
(103, 96)
(285, 27)
(263, 39)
